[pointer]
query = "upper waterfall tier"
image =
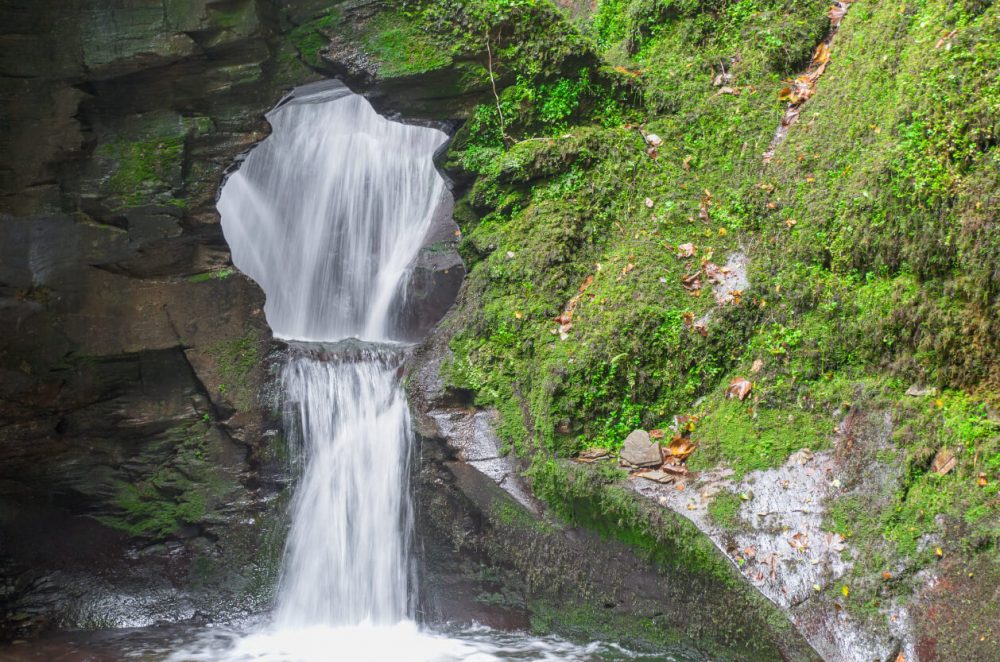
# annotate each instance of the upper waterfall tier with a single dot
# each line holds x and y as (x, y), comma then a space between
(329, 213)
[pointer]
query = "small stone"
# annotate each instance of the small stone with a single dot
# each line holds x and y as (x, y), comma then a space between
(657, 476)
(640, 451)
(916, 391)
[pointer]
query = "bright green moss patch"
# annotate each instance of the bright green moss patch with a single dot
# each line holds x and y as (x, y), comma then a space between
(746, 439)
(401, 47)
(724, 510)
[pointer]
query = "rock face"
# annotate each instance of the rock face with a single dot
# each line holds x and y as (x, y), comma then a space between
(134, 462)
(640, 451)
(140, 461)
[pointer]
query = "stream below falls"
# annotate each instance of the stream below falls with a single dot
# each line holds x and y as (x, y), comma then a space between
(328, 215)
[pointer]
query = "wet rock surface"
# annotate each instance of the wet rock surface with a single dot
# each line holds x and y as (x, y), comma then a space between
(136, 471)
(776, 534)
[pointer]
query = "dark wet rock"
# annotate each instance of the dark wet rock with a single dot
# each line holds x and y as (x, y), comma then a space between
(641, 451)
(138, 471)
(435, 278)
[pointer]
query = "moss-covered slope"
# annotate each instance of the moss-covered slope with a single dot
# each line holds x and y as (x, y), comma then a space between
(666, 195)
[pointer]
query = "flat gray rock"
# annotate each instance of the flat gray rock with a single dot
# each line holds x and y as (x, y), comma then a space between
(639, 450)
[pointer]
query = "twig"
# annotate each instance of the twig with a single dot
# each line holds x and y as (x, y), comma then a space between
(493, 82)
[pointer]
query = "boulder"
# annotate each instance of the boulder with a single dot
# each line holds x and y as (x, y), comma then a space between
(640, 451)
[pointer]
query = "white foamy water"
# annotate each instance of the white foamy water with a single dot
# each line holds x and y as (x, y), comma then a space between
(347, 555)
(328, 213)
(402, 641)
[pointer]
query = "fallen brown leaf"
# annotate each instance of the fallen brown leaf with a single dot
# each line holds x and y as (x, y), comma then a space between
(945, 38)
(656, 434)
(799, 541)
(943, 462)
(686, 250)
(982, 480)
(691, 283)
(714, 272)
(739, 388)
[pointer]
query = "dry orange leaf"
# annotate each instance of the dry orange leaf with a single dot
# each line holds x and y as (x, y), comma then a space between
(822, 54)
(739, 388)
(691, 283)
(982, 480)
(681, 447)
(656, 434)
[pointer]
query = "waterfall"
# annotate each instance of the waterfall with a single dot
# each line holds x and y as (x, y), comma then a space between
(346, 556)
(327, 215)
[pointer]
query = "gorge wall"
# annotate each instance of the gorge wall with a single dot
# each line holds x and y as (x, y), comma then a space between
(631, 253)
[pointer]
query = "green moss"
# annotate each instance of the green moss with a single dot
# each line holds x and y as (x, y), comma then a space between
(724, 509)
(179, 492)
(594, 498)
(401, 47)
(220, 274)
(746, 439)
(145, 170)
(590, 622)
(236, 360)
(869, 234)
(313, 36)
(908, 521)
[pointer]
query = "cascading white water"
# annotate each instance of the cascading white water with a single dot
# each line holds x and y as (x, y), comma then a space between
(328, 215)
(346, 556)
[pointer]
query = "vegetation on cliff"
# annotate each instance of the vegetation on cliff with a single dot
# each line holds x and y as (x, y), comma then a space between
(670, 194)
